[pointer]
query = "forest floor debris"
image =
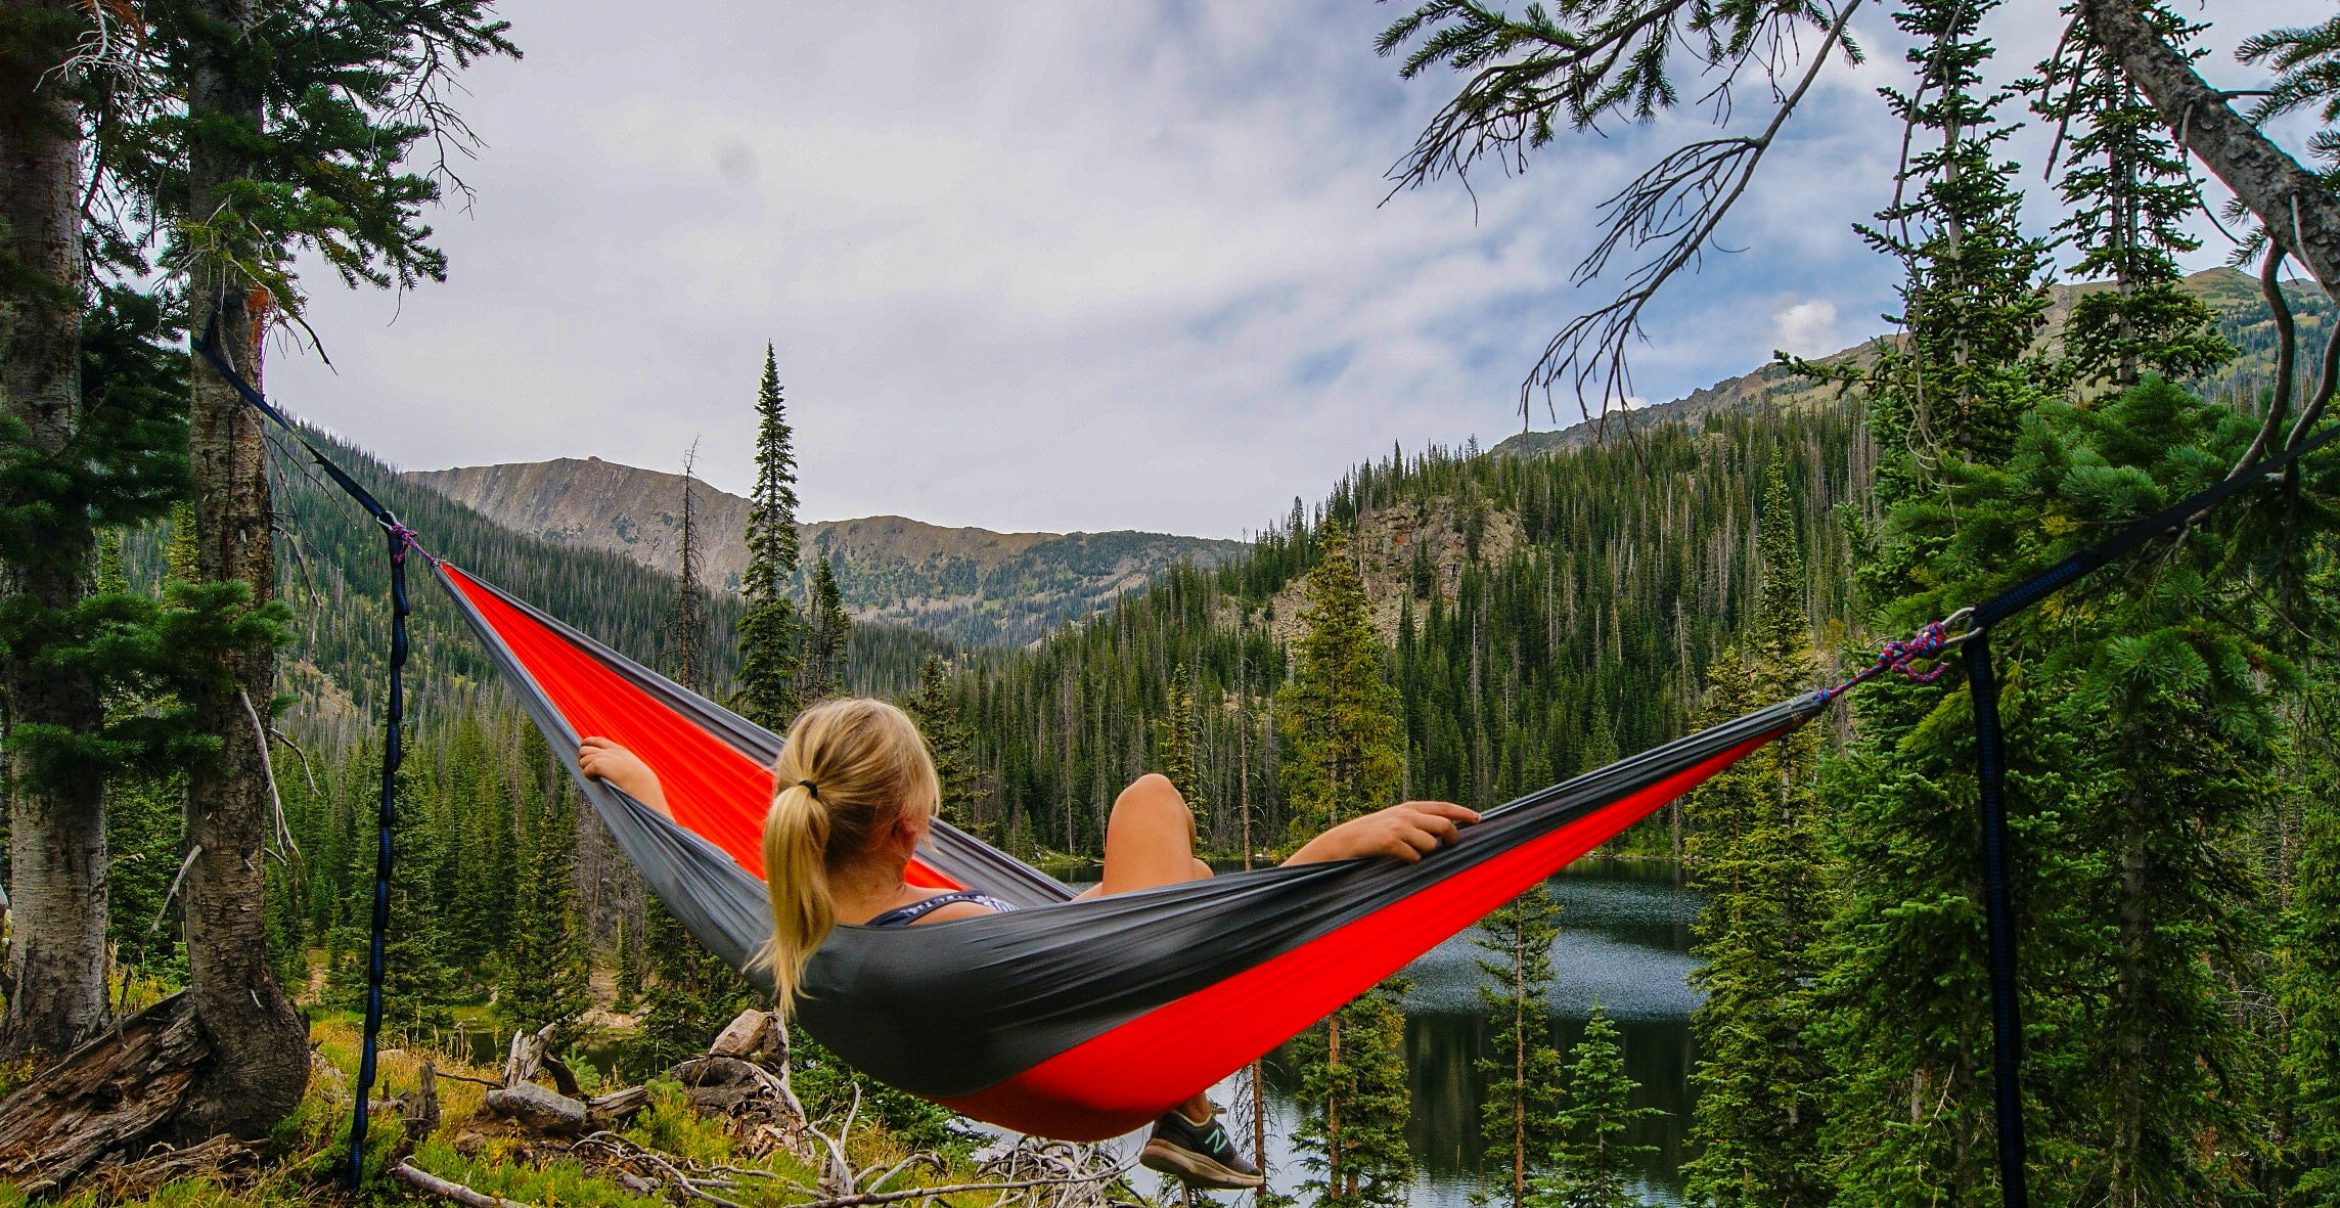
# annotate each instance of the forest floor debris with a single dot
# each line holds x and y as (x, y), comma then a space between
(723, 1129)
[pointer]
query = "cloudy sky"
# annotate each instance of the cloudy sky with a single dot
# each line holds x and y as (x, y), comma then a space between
(1051, 266)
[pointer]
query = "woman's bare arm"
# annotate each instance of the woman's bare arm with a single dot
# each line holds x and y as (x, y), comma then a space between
(1406, 831)
(603, 760)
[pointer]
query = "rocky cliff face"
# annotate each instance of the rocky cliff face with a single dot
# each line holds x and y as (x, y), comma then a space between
(971, 584)
(604, 505)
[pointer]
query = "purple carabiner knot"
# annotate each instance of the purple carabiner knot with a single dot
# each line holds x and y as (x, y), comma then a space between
(1927, 643)
(1897, 656)
(402, 539)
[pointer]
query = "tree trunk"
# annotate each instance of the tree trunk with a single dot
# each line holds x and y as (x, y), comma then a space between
(2287, 199)
(261, 1045)
(1519, 1045)
(1332, 1109)
(56, 830)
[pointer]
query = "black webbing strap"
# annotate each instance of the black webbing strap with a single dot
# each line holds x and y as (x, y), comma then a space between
(401, 539)
(1991, 772)
(2047, 582)
(1998, 921)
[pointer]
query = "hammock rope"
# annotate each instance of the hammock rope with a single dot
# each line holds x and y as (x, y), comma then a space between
(1225, 967)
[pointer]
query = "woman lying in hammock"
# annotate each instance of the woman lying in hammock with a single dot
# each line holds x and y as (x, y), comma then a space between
(856, 794)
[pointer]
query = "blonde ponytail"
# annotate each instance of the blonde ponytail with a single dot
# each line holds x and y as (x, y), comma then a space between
(796, 872)
(851, 768)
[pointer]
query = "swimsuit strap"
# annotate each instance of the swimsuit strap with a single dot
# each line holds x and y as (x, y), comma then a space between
(903, 916)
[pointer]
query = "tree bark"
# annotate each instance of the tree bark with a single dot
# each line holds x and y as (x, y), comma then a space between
(260, 1042)
(56, 835)
(2288, 200)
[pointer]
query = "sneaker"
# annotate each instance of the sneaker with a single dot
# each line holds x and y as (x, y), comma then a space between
(1199, 1155)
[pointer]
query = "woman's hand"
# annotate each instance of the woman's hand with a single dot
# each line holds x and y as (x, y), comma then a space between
(601, 759)
(1406, 831)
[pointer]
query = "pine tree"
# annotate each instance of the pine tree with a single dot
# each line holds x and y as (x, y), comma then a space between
(1175, 743)
(2171, 672)
(692, 993)
(2130, 192)
(545, 970)
(629, 967)
(966, 795)
(1519, 1116)
(1594, 1165)
(1755, 854)
(56, 809)
(420, 985)
(686, 617)
(1340, 715)
(250, 140)
(1908, 1001)
(768, 627)
(1338, 710)
(92, 441)
(1354, 1092)
(821, 673)
(2308, 989)
(1975, 298)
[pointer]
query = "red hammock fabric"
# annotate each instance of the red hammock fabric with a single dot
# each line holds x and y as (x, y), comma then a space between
(716, 791)
(1124, 1078)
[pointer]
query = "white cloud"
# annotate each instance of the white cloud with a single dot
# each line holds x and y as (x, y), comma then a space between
(1806, 329)
(1049, 265)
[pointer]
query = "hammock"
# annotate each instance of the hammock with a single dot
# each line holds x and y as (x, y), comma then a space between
(1079, 1020)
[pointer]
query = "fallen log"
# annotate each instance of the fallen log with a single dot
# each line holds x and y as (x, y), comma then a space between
(108, 1097)
(535, 1107)
(602, 1111)
(431, 1184)
(748, 1037)
(139, 1179)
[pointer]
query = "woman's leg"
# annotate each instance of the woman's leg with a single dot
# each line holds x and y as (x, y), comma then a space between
(1149, 840)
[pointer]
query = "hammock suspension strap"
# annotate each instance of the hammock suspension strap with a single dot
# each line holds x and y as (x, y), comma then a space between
(400, 540)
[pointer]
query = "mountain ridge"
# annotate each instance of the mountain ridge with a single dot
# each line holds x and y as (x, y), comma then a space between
(970, 584)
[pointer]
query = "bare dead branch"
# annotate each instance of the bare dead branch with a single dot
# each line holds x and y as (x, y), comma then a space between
(1678, 203)
(895, 1197)
(2286, 347)
(282, 828)
(2327, 380)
